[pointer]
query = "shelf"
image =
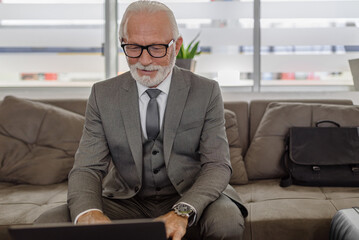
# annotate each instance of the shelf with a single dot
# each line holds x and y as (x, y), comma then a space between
(212, 10)
(310, 9)
(36, 84)
(224, 41)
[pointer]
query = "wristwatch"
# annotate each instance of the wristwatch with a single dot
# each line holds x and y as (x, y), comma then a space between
(184, 210)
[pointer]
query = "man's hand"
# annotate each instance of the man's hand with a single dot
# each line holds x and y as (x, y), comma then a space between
(93, 217)
(175, 225)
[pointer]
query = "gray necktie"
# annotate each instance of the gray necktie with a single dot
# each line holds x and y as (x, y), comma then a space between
(153, 115)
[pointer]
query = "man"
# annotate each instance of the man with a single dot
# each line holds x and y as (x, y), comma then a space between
(163, 156)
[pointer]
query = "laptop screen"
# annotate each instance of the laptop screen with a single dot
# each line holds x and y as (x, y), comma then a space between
(138, 229)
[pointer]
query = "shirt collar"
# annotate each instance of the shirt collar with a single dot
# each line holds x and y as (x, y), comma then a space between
(164, 85)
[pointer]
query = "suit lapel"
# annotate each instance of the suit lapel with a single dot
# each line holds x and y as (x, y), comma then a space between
(176, 101)
(131, 118)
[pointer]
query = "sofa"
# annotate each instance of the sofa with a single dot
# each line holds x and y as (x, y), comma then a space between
(46, 133)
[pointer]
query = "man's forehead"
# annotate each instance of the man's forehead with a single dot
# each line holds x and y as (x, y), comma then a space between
(152, 28)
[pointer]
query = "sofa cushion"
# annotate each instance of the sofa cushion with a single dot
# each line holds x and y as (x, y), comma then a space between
(263, 158)
(286, 213)
(38, 141)
(241, 110)
(239, 174)
(23, 203)
(258, 108)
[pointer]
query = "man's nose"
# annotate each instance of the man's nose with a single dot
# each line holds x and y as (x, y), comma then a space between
(145, 58)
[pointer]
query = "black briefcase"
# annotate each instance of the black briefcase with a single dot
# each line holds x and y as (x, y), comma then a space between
(322, 156)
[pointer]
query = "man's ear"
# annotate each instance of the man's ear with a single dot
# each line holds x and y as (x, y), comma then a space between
(179, 42)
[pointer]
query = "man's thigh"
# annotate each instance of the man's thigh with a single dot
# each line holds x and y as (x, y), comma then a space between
(117, 209)
(222, 219)
(114, 209)
(135, 207)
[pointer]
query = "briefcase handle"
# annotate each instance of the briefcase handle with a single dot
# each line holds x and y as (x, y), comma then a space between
(327, 121)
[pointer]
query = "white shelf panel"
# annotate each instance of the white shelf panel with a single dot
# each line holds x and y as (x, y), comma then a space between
(307, 63)
(50, 84)
(310, 9)
(306, 82)
(212, 10)
(52, 63)
(49, 37)
(310, 36)
(51, 11)
(218, 62)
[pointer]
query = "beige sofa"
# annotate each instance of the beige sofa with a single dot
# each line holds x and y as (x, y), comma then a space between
(255, 130)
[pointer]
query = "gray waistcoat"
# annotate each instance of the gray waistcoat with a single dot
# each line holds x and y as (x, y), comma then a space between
(155, 181)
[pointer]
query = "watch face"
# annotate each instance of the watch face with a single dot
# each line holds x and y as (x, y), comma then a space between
(184, 208)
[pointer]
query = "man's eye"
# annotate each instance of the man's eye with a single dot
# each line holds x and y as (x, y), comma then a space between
(156, 48)
(133, 48)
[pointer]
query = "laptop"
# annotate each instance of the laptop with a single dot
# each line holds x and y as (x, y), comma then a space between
(354, 68)
(138, 229)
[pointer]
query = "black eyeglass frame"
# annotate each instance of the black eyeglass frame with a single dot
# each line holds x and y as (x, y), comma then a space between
(146, 47)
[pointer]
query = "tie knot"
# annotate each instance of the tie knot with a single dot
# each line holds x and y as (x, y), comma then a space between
(153, 93)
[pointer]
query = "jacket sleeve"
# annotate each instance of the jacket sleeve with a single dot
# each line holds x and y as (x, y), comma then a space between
(91, 163)
(215, 170)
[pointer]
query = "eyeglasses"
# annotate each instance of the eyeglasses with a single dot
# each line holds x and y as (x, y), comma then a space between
(155, 50)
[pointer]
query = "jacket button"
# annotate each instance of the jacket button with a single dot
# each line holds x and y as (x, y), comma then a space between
(136, 189)
(110, 195)
(156, 171)
(158, 189)
(154, 152)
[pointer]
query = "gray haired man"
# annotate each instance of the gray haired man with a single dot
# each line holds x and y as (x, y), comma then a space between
(154, 142)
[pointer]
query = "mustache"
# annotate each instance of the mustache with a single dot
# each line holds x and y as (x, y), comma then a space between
(146, 68)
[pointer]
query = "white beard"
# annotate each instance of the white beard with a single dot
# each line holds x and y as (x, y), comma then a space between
(162, 72)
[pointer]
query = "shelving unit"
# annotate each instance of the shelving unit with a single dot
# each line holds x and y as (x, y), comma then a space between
(224, 26)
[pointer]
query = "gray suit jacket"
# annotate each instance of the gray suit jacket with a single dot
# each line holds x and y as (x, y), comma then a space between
(194, 143)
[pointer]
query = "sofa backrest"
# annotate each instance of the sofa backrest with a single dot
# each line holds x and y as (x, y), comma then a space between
(73, 105)
(248, 115)
(258, 107)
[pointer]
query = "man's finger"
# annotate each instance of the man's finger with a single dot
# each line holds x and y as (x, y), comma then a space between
(169, 232)
(177, 236)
